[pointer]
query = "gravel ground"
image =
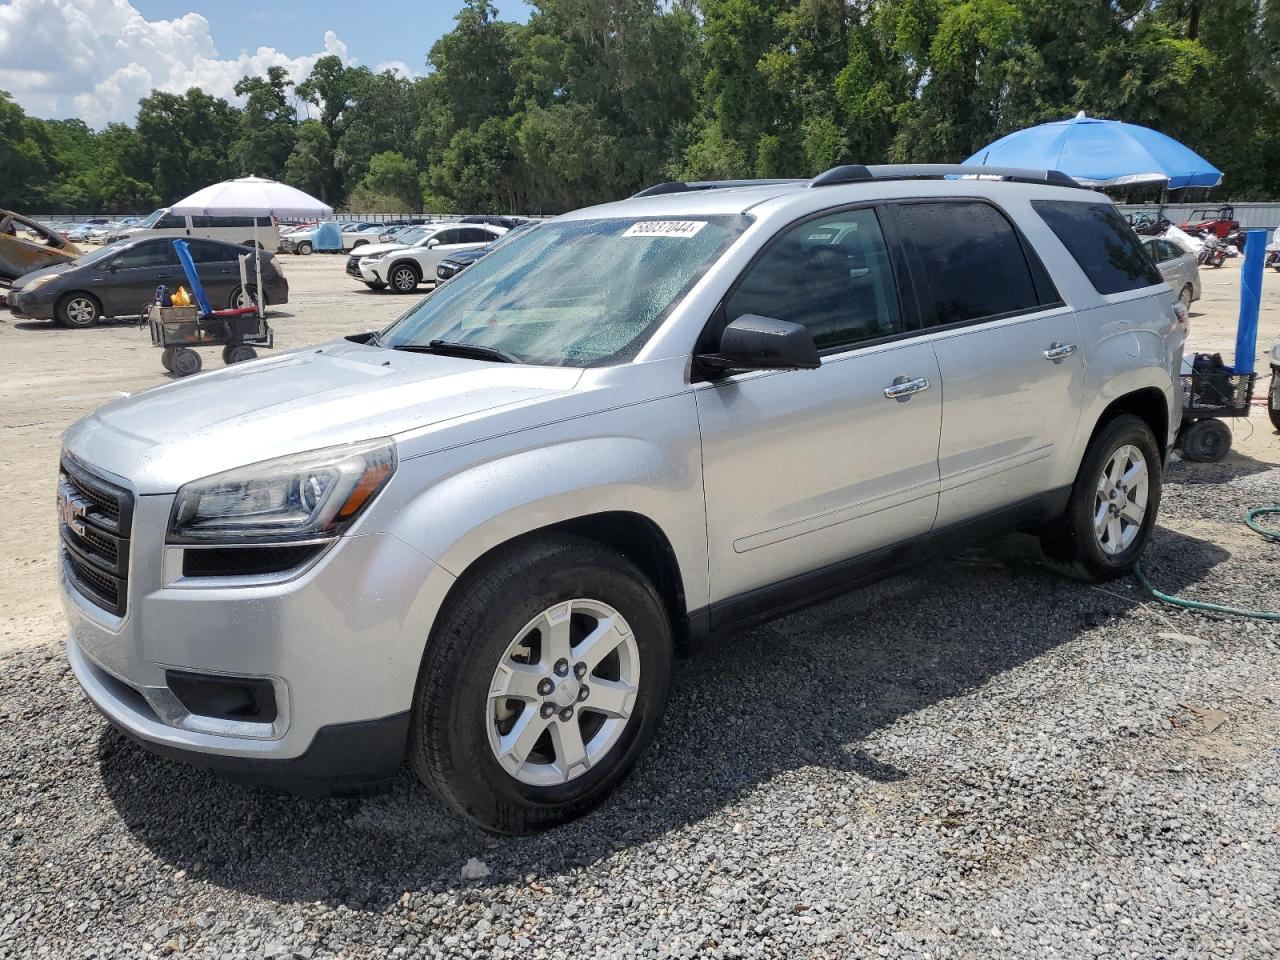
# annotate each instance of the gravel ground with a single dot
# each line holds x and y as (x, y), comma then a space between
(977, 760)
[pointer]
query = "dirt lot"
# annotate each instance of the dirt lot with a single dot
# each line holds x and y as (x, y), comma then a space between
(979, 759)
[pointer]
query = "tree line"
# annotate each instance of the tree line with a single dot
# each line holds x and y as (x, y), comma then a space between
(591, 100)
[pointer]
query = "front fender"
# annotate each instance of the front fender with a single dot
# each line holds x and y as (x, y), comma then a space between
(456, 505)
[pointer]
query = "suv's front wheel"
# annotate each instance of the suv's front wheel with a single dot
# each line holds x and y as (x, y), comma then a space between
(1113, 504)
(542, 684)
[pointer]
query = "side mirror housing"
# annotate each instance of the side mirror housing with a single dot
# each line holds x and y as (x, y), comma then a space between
(752, 342)
(432, 243)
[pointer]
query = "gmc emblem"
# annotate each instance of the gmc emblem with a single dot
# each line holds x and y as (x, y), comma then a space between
(71, 511)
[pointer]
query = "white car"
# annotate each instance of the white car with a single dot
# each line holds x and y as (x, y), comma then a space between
(403, 267)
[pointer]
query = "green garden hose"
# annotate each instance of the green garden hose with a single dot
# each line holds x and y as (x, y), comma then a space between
(1251, 522)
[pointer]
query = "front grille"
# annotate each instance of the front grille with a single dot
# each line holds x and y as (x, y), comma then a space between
(94, 521)
(353, 266)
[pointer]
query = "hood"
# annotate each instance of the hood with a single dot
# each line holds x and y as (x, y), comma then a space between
(54, 270)
(379, 249)
(340, 392)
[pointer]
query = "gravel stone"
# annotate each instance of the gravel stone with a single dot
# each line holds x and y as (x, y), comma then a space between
(978, 759)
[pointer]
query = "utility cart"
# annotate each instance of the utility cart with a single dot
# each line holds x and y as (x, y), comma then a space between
(179, 330)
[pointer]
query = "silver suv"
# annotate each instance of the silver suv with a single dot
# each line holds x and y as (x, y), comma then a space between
(476, 539)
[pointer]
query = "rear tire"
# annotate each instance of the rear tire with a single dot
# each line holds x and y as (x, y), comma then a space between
(1185, 295)
(1273, 398)
(166, 358)
(185, 362)
(1113, 506)
(238, 353)
(1206, 441)
(244, 297)
(457, 735)
(79, 310)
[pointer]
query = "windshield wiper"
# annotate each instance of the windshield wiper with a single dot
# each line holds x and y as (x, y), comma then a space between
(475, 351)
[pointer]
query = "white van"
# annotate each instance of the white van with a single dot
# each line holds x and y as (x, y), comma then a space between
(163, 223)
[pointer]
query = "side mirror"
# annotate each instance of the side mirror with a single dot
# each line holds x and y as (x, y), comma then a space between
(113, 266)
(763, 343)
(432, 243)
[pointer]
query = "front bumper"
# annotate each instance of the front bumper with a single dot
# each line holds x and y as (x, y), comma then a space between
(340, 641)
(31, 306)
(365, 273)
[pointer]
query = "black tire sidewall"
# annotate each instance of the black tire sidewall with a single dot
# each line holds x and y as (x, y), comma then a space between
(304, 249)
(180, 370)
(1273, 399)
(1193, 441)
(458, 675)
(1122, 431)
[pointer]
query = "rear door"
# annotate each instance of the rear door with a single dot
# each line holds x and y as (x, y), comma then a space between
(217, 268)
(1008, 351)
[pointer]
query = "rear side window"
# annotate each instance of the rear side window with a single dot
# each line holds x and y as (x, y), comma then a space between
(1102, 243)
(971, 261)
(203, 251)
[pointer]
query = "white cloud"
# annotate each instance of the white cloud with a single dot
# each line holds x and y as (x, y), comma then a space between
(95, 59)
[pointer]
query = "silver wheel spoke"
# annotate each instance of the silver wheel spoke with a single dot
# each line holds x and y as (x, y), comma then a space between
(1133, 512)
(571, 752)
(516, 680)
(555, 634)
(1137, 473)
(1100, 515)
(1113, 533)
(517, 744)
(610, 697)
(598, 644)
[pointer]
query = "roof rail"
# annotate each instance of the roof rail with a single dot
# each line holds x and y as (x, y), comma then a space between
(677, 186)
(859, 173)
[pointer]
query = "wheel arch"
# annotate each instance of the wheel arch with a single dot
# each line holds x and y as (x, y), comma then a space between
(635, 536)
(64, 298)
(1148, 404)
(405, 261)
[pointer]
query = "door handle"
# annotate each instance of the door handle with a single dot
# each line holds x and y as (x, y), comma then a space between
(1059, 351)
(904, 388)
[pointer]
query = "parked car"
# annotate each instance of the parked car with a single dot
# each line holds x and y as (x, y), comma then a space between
(477, 538)
(165, 223)
(455, 263)
(27, 245)
(505, 222)
(1178, 265)
(404, 267)
(120, 280)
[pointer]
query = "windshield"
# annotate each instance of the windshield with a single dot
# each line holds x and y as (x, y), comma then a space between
(578, 293)
(411, 234)
(152, 217)
(110, 250)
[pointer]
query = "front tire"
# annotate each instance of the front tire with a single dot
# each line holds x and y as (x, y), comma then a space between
(543, 683)
(79, 310)
(403, 278)
(1113, 504)
(375, 285)
(304, 248)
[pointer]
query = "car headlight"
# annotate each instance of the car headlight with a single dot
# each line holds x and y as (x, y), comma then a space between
(306, 496)
(370, 259)
(39, 282)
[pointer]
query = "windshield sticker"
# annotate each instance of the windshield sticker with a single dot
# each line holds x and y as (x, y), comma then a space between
(665, 228)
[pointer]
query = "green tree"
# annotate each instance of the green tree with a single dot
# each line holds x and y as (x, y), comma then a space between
(266, 125)
(393, 175)
(183, 142)
(310, 165)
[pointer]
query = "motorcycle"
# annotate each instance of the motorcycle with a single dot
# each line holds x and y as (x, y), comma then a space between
(1214, 251)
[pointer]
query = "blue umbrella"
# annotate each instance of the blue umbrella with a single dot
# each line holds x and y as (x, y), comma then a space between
(1101, 153)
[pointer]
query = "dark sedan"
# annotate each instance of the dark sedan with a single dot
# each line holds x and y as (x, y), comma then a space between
(120, 280)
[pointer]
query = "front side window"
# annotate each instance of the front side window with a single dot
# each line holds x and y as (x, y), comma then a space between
(577, 293)
(971, 259)
(1101, 242)
(158, 253)
(171, 221)
(447, 237)
(831, 275)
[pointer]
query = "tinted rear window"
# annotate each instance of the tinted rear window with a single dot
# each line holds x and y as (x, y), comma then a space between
(972, 260)
(1104, 245)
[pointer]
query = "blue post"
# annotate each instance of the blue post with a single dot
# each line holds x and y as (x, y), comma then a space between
(1255, 252)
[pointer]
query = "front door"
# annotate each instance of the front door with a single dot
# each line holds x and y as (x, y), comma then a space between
(131, 281)
(806, 469)
(1008, 349)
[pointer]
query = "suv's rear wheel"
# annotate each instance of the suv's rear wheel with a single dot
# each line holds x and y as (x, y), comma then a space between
(543, 683)
(1113, 504)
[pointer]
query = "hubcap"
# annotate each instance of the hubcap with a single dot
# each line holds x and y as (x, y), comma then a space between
(404, 279)
(80, 310)
(1120, 500)
(563, 692)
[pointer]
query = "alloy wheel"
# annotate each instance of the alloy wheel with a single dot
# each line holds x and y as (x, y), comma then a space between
(1120, 500)
(82, 311)
(404, 279)
(563, 692)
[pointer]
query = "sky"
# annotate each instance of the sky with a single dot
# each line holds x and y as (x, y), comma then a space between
(94, 59)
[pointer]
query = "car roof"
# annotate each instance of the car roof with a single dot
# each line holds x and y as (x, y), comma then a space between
(771, 197)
